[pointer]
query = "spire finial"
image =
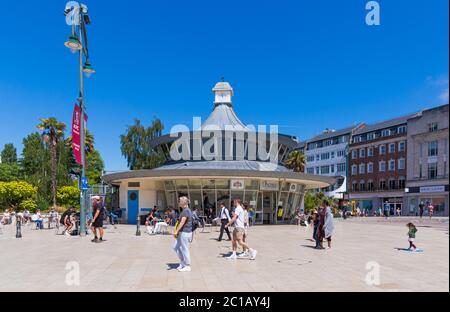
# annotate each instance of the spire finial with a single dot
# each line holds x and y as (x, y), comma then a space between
(222, 79)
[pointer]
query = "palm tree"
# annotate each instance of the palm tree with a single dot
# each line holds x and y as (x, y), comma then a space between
(88, 142)
(52, 133)
(296, 161)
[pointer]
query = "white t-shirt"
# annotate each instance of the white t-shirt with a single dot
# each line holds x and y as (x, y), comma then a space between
(239, 212)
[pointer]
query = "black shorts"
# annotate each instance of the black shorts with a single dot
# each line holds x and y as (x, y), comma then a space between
(98, 223)
(329, 239)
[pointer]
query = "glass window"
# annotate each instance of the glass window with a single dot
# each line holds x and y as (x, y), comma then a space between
(433, 127)
(401, 183)
(371, 136)
(433, 148)
(182, 184)
(401, 164)
(354, 170)
(332, 168)
(370, 151)
(432, 171)
(362, 153)
(382, 184)
(222, 184)
(382, 166)
(362, 185)
(369, 167)
(310, 170)
(382, 149)
(392, 184)
(195, 184)
(385, 132)
(169, 185)
(340, 153)
(325, 169)
(355, 186)
(251, 184)
(332, 155)
(354, 154)
(402, 146)
(317, 157)
(392, 148)
(401, 129)
(370, 186)
(317, 170)
(391, 165)
(341, 167)
(209, 184)
(362, 168)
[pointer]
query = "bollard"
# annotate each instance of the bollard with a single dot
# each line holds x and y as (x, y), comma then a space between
(18, 227)
(138, 226)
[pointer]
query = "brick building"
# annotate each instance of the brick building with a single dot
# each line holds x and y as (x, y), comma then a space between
(377, 164)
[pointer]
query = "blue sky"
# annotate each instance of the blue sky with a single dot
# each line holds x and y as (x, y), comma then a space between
(304, 65)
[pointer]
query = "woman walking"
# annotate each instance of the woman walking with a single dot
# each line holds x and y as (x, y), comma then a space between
(183, 234)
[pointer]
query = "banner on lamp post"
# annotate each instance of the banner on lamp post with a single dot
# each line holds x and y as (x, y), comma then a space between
(76, 137)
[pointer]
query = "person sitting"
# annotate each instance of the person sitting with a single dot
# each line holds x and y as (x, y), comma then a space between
(66, 221)
(113, 218)
(37, 218)
(26, 216)
(6, 217)
(162, 224)
(150, 220)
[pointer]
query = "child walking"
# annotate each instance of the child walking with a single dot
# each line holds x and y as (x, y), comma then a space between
(411, 236)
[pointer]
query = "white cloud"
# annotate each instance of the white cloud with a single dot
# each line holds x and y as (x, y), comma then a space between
(444, 95)
(440, 83)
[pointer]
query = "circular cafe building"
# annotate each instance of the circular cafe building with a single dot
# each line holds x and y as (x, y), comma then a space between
(219, 160)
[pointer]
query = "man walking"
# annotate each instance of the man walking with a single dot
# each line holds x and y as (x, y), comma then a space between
(97, 220)
(224, 217)
(421, 207)
(238, 233)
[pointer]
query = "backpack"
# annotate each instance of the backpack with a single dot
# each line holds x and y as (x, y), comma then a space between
(104, 213)
(196, 222)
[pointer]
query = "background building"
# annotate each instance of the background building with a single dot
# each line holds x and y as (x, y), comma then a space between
(377, 164)
(428, 169)
(326, 156)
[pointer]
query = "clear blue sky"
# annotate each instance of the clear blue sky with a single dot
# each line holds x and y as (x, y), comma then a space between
(304, 65)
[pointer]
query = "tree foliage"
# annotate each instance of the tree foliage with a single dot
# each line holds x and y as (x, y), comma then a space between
(13, 194)
(10, 172)
(9, 154)
(94, 167)
(135, 145)
(68, 196)
(296, 161)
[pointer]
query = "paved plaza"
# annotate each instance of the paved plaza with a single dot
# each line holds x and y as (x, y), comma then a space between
(285, 262)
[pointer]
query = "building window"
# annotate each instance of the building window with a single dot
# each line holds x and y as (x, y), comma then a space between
(357, 139)
(354, 154)
(391, 165)
(328, 142)
(401, 164)
(433, 148)
(382, 166)
(325, 156)
(433, 127)
(362, 168)
(370, 168)
(401, 183)
(370, 152)
(370, 186)
(310, 158)
(332, 168)
(401, 146)
(371, 136)
(420, 171)
(317, 157)
(325, 169)
(401, 129)
(382, 185)
(354, 170)
(317, 170)
(362, 186)
(355, 186)
(382, 149)
(432, 171)
(332, 155)
(341, 153)
(310, 170)
(385, 133)
(392, 184)
(392, 148)
(362, 153)
(341, 167)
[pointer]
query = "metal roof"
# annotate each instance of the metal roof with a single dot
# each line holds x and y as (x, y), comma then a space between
(226, 165)
(223, 117)
(384, 124)
(332, 134)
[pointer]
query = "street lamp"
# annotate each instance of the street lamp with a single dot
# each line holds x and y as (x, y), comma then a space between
(77, 17)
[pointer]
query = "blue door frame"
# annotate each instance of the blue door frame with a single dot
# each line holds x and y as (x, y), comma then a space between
(133, 206)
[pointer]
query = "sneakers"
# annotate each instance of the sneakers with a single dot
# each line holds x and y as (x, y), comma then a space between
(66, 233)
(185, 269)
(253, 254)
(95, 240)
(180, 267)
(245, 254)
(232, 257)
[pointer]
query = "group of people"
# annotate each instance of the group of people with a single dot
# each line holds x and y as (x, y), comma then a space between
(186, 224)
(322, 219)
(155, 224)
(33, 218)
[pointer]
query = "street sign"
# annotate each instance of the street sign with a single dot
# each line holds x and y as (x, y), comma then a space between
(84, 184)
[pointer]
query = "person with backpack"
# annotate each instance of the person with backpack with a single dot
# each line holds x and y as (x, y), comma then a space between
(98, 217)
(184, 234)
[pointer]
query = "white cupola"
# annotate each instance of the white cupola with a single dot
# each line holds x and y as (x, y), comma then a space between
(223, 93)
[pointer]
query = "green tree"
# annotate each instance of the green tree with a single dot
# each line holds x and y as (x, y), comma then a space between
(52, 134)
(12, 194)
(10, 172)
(68, 196)
(135, 145)
(296, 161)
(94, 167)
(9, 154)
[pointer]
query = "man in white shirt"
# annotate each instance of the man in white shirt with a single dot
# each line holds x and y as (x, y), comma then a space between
(238, 233)
(224, 217)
